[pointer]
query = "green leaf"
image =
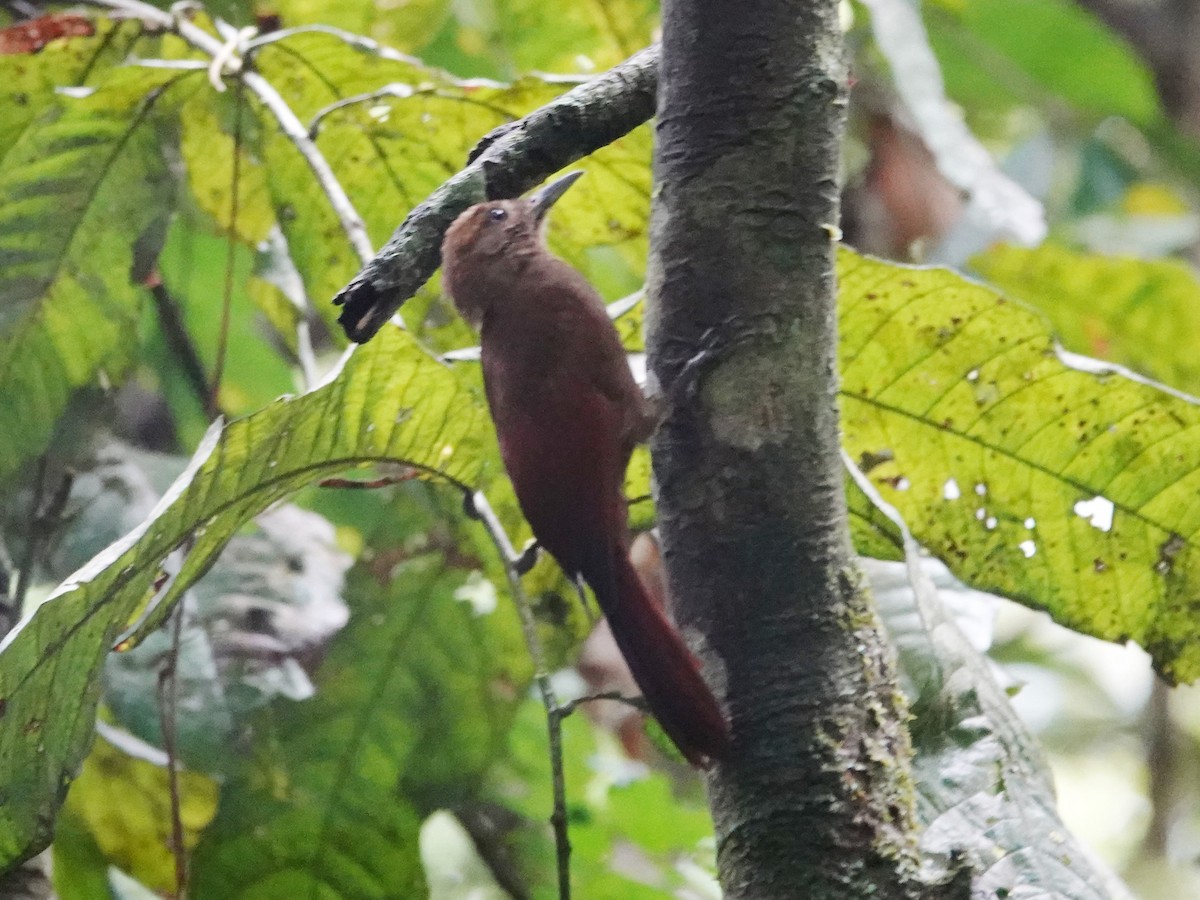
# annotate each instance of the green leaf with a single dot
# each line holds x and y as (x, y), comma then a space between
(1112, 308)
(588, 34)
(29, 83)
(414, 701)
(1067, 489)
(208, 122)
(407, 26)
(195, 265)
(79, 866)
(875, 536)
(994, 51)
(618, 811)
(390, 403)
(125, 803)
(77, 191)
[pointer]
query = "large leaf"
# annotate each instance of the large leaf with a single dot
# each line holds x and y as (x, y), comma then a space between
(77, 191)
(1070, 489)
(29, 84)
(391, 403)
(1112, 308)
(984, 791)
(414, 701)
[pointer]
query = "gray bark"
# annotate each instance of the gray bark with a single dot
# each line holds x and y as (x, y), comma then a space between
(817, 799)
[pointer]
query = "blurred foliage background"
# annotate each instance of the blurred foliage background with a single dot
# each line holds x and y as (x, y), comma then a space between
(349, 673)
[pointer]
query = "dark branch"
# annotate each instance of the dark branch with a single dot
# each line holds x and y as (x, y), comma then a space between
(507, 163)
(175, 333)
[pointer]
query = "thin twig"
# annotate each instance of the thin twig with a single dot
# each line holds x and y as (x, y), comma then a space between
(554, 713)
(403, 91)
(638, 703)
(168, 711)
(293, 129)
(357, 41)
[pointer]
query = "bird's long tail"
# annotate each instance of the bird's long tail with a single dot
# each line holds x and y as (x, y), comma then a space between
(660, 661)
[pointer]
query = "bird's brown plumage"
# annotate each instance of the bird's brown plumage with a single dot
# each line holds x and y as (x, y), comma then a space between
(568, 414)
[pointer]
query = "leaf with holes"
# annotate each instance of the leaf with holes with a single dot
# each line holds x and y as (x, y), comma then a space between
(1066, 486)
(391, 403)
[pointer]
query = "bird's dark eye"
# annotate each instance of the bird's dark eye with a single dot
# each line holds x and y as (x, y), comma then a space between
(497, 214)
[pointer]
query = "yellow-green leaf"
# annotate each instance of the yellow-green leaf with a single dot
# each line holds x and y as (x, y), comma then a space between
(1142, 314)
(1067, 488)
(391, 403)
(77, 191)
(391, 151)
(125, 803)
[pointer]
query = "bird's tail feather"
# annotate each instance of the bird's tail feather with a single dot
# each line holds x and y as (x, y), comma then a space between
(660, 661)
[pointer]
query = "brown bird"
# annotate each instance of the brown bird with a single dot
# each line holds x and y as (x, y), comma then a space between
(568, 414)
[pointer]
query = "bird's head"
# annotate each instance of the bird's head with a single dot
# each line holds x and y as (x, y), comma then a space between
(488, 243)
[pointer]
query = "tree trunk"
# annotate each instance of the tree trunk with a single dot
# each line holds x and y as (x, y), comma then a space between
(817, 799)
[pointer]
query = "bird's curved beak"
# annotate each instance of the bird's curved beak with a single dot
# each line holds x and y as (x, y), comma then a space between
(541, 201)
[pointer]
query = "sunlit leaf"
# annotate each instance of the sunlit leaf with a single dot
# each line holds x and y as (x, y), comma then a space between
(1116, 309)
(208, 123)
(77, 192)
(1065, 488)
(391, 403)
(125, 803)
